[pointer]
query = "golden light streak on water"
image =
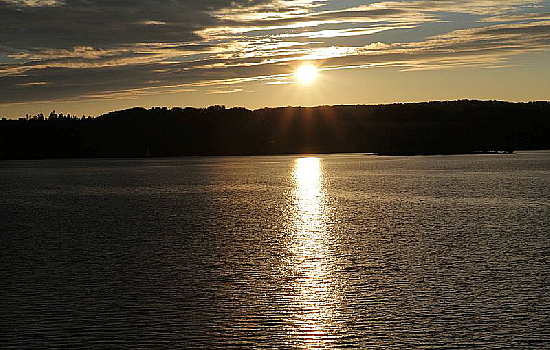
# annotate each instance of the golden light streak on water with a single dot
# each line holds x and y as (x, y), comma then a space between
(311, 258)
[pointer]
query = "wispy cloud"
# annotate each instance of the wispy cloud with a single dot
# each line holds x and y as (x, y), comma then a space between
(96, 49)
(518, 18)
(35, 3)
(232, 91)
(335, 33)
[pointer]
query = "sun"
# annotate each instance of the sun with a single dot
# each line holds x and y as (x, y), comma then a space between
(306, 74)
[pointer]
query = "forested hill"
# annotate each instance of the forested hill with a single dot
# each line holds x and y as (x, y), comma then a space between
(412, 128)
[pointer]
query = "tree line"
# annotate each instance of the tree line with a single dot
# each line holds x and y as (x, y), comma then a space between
(463, 126)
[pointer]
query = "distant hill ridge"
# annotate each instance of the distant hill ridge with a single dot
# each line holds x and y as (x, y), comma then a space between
(463, 126)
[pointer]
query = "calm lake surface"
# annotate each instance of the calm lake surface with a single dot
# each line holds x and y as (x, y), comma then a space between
(330, 251)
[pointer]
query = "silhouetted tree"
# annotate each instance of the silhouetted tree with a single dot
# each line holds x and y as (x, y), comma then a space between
(421, 128)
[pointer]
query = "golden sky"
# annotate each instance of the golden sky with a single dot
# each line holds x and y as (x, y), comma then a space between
(94, 56)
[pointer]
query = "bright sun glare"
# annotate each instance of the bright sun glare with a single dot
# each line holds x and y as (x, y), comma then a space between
(306, 73)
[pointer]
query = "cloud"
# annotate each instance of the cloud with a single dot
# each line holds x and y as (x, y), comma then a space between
(232, 91)
(334, 33)
(478, 7)
(518, 18)
(97, 49)
(101, 23)
(35, 3)
(370, 14)
(485, 46)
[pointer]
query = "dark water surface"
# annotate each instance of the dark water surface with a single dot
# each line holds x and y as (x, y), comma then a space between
(276, 252)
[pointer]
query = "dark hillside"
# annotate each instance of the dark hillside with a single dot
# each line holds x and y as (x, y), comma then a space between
(415, 128)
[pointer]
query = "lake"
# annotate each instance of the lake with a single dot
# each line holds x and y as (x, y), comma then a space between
(327, 251)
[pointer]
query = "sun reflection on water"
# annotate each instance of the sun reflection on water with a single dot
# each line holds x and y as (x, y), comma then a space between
(312, 261)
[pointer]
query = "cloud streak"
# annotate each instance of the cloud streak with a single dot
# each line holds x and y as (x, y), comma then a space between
(78, 49)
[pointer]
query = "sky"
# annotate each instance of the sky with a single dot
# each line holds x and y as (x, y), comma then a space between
(94, 56)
